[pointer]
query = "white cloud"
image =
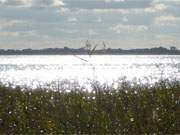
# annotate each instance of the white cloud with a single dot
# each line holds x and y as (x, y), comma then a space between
(92, 32)
(7, 34)
(17, 3)
(17, 34)
(166, 0)
(125, 19)
(72, 19)
(2, 1)
(167, 20)
(121, 11)
(4, 23)
(99, 20)
(156, 7)
(69, 31)
(120, 28)
(32, 3)
(160, 6)
(114, 0)
(58, 3)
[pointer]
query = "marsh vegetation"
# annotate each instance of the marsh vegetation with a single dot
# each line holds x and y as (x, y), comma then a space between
(126, 109)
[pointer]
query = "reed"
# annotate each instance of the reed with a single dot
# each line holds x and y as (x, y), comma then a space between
(127, 109)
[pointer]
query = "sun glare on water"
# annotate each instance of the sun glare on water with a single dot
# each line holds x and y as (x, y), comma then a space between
(34, 71)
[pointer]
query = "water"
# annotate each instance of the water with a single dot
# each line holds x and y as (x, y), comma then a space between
(34, 71)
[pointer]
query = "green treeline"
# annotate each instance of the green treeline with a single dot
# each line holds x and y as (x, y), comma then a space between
(93, 51)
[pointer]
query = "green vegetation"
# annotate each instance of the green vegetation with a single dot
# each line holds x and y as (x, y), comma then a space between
(126, 109)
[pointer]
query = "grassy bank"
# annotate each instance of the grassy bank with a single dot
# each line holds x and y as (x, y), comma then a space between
(126, 109)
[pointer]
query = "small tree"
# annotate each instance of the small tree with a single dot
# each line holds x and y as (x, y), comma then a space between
(173, 48)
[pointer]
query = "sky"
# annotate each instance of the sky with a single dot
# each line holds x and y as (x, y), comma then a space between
(119, 23)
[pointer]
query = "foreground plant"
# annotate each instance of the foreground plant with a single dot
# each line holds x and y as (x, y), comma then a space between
(126, 109)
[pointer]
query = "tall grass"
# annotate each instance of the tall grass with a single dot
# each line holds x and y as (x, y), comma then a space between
(124, 110)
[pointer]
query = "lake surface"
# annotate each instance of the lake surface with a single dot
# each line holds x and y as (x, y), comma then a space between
(35, 71)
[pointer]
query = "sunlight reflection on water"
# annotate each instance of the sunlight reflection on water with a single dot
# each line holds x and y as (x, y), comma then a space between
(32, 71)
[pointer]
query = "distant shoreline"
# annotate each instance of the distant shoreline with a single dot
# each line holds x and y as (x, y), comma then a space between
(86, 54)
(83, 51)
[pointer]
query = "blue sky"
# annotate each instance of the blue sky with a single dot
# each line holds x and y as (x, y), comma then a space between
(118, 23)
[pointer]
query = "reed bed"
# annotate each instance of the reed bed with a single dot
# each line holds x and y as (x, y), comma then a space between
(127, 109)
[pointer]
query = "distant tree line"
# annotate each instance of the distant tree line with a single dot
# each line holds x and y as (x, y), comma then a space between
(85, 51)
